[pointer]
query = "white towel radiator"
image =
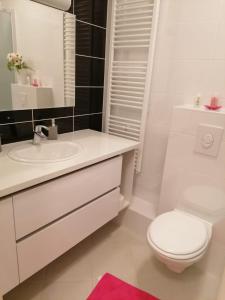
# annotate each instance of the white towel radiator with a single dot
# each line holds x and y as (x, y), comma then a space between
(131, 53)
(69, 25)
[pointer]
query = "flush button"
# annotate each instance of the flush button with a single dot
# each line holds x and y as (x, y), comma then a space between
(208, 139)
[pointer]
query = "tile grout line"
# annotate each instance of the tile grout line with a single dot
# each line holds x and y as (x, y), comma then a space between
(90, 87)
(89, 56)
(84, 115)
(91, 24)
(17, 122)
(73, 117)
(32, 112)
(47, 119)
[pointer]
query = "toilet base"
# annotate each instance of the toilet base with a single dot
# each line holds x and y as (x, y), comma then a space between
(173, 265)
(178, 266)
(177, 269)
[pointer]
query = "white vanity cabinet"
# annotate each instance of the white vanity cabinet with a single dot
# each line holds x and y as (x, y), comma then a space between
(41, 223)
(43, 247)
(9, 277)
(38, 206)
(47, 209)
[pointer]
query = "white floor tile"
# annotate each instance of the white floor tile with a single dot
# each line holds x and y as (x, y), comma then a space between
(67, 290)
(72, 267)
(118, 251)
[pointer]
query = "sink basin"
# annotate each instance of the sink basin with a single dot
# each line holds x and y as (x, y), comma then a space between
(47, 152)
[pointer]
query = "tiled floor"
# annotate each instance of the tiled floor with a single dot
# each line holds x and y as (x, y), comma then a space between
(116, 250)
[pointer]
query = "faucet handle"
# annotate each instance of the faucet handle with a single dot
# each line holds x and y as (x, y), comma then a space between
(38, 128)
(38, 131)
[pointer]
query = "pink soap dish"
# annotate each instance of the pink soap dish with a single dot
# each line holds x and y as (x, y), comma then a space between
(213, 107)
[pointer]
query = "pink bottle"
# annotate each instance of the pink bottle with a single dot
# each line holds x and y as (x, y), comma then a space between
(214, 102)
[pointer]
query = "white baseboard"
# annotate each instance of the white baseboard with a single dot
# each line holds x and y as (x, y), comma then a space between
(137, 217)
(143, 207)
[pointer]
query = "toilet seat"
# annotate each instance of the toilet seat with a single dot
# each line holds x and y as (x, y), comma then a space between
(178, 235)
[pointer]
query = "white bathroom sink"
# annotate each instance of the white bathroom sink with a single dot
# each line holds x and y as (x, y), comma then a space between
(46, 152)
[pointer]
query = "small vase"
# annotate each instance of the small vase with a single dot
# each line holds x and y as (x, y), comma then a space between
(21, 76)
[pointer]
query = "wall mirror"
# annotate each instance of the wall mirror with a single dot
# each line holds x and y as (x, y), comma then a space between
(37, 56)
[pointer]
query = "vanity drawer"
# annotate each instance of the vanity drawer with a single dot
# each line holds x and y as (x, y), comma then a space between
(41, 205)
(41, 248)
(9, 277)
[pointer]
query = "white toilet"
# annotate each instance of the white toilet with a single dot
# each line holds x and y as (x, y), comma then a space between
(192, 196)
(179, 239)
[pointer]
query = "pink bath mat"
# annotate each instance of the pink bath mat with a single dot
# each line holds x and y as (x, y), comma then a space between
(112, 288)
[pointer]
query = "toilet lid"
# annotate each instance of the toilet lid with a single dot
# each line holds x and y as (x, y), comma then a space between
(178, 233)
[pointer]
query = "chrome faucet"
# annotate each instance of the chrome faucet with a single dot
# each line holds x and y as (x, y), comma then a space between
(39, 134)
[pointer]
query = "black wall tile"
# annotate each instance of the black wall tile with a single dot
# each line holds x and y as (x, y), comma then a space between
(84, 10)
(90, 40)
(16, 132)
(49, 113)
(88, 100)
(71, 10)
(15, 116)
(92, 11)
(100, 12)
(64, 124)
(89, 71)
(88, 122)
(96, 122)
(81, 123)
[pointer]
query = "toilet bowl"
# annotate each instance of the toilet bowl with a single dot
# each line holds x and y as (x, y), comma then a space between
(179, 239)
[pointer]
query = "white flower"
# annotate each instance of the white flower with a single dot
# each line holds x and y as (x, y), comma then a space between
(18, 56)
(13, 56)
(17, 62)
(10, 57)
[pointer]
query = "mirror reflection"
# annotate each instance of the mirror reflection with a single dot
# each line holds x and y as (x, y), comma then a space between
(37, 56)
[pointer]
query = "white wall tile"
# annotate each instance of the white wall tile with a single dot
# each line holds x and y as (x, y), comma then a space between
(166, 30)
(190, 59)
(195, 40)
(220, 41)
(197, 11)
(162, 71)
(189, 76)
(222, 10)
(216, 76)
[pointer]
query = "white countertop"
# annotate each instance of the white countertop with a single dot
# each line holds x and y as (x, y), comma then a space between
(97, 146)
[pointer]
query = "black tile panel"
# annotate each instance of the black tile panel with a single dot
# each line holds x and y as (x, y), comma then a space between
(64, 124)
(84, 10)
(16, 132)
(81, 123)
(88, 122)
(71, 10)
(92, 11)
(96, 122)
(89, 71)
(15, 116)
(90, 40)
(88, 100)
(49, 113)
(100, 12)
